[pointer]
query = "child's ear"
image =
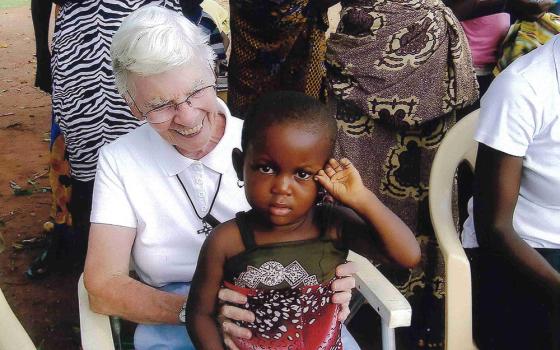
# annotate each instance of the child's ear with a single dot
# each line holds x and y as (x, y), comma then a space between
(237, 158)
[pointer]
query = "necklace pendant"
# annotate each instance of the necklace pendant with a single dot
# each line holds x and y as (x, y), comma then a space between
(208, 221)
(206, 228)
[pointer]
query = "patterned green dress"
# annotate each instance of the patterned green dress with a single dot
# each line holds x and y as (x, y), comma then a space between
(288, 288)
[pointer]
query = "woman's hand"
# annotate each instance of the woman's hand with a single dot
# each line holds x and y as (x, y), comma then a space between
(229, 312)
(342, 181)
(343, 288)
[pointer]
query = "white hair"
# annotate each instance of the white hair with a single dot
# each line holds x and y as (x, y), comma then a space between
(154, 40)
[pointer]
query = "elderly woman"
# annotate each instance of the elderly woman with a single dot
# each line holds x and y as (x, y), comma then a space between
(160, 189)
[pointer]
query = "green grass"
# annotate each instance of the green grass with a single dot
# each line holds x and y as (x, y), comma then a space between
(14, 3)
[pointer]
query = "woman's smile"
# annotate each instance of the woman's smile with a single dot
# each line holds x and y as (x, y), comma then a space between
(190, 132)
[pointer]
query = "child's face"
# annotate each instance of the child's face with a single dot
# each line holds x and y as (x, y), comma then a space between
(278, 172)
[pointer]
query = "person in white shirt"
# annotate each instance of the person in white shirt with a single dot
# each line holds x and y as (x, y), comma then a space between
(516, 206)
(160, 189)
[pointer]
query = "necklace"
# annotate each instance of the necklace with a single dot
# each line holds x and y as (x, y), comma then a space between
(208, 221)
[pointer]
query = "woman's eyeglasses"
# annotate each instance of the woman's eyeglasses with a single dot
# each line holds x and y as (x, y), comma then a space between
(165, 112)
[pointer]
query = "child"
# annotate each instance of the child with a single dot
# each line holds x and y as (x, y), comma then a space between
(282, 254)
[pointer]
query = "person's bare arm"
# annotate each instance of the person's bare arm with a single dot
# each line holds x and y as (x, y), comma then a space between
(497, 182)
(202, 304)
(343, 182)
(111, 290)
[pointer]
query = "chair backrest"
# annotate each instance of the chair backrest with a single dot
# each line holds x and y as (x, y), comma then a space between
(12, 334)
(457, 146)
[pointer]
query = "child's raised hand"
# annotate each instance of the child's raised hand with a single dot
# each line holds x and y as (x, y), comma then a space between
(342, 180)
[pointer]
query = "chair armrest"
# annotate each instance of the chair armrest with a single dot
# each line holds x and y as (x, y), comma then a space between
(95, 329)
(12, 334)
(386, 300)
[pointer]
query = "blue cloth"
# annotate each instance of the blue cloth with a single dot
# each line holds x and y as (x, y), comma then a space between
(55, 130)
(164, 336)
(348, 342)
(175, 337)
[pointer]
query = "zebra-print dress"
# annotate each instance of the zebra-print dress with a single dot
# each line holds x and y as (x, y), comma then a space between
(85, 101)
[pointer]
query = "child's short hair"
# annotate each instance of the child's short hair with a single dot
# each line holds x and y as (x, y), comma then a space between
(287, 107)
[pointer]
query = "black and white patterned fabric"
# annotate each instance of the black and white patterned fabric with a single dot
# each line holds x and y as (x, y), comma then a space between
(85, 101)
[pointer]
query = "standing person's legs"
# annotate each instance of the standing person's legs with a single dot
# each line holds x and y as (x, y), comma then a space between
(80, 207)
(40, 14)
(56, 254)
(70, 211)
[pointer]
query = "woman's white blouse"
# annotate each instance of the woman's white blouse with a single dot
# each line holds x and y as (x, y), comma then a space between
(136, 186)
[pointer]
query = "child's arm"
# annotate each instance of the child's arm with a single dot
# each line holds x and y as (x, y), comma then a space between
(202, 301)
(343, 182)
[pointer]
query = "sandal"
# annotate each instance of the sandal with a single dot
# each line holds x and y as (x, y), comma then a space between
(39, 268)
(30, 243)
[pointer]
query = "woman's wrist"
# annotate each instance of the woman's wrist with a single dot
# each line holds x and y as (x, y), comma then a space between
(183, 313)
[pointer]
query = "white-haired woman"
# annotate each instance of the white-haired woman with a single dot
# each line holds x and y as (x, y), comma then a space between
(161, 188)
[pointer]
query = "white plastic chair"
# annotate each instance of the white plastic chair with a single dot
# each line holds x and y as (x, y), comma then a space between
(12, 334)
(386, 300)
(457, 146)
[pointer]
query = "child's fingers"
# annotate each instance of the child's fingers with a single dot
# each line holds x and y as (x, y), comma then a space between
(321, 175)
(346, 163)
(329, 171)
(322, 178)
(335, 164)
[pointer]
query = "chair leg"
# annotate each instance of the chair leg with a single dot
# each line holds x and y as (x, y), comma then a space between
(116, 327)
(387, 336)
